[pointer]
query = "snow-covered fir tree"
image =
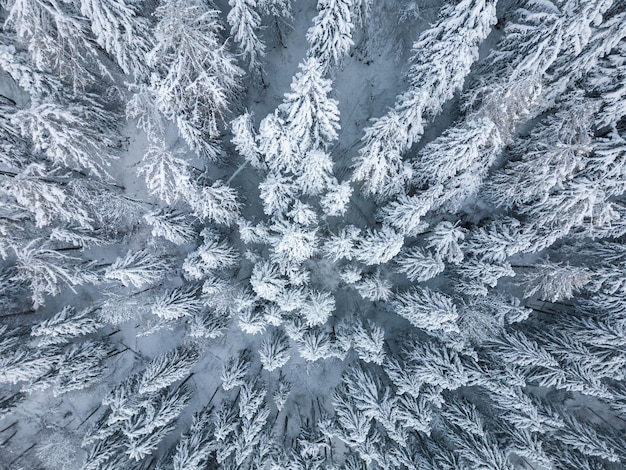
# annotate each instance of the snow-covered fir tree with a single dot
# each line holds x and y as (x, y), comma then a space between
(232, 278)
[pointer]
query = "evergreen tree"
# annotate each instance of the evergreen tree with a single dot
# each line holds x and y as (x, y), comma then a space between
(120, 30)
(274, 351)
(195, 447)
(57, 38)
(374, 287)
(174, 226)
(426, 309)
(556, 282)
(167, 368)
(380, 246)
(244, 138)
(136, 269)
(317, 308)
(167, 174)
(47, 270)
(314, 344)
(213, 255)
(311, 117)
(442, 58)
(330, 37)
(66, 325)
(419, 264)
(445, 242)
(245, 22)
(176, 303)
(153, 421)
(35, 190)
(234, 371)
(217, 203)
(281, 394)
(368, 342)
(78, 366)
(80, 136)
(195, 76)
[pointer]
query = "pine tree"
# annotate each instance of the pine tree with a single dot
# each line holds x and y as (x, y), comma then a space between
(561, 145)
(374, 287)
(267, 281)
(245, 22)
(335, 202)
(303, 214)
(78, 366)
(251, 398)
(419, 264)
(176, 303)
(275, 351)
(311, 117)
(445, 242)
(234, 370)
(276, 8)
(48, 201)
(217, 203)
(379, 165)
(136, 269)
(195, 74)
(166, 172)
(342, 245)
(317, 308)
(483, 134)
(476, 446)
(277, 193)
(244, 138)
(405, 213)
(142, 107)
(330, 37)
(78, 135)
(23, 364)
(375, 401)
(426, 309)
(21, 69)
(213, 255)
(378, 247)
(121, 31)
(317, 173)
(275, 144)
(368, 341)
(48, 270)
(556, 282)
(292, 245)
(65, 325)
(440, 366)
(152, 423)
(57, 39)
(174, 226)
(195, 447)
(442, 57)
(209, 325)
(354, 426)
(535, 362)
(225, 421)
(281, 394)
(167, 368)
(314, 344)
(499, 239)
(583, 437)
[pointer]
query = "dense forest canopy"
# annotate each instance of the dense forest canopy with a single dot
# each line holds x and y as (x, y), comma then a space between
(300, 234)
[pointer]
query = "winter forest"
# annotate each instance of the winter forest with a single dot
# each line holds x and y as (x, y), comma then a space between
(312, 234)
